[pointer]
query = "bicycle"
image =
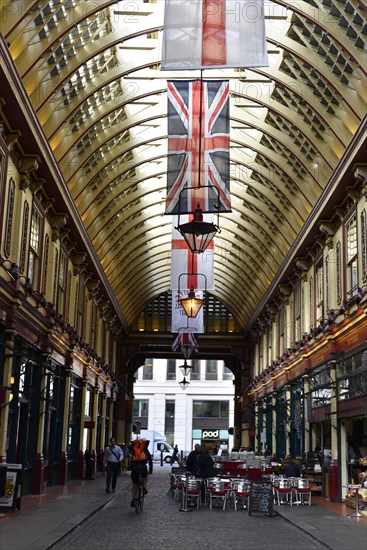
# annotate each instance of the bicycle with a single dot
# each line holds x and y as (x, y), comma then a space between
(139, 499)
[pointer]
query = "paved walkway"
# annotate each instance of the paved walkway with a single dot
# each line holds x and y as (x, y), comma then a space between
(66, 517)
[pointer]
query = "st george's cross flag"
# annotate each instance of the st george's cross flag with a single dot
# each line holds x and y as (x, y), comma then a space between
(187, 268)
(204, 34)
(198, 146)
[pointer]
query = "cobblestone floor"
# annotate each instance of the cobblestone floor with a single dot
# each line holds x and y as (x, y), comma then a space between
(162, 525)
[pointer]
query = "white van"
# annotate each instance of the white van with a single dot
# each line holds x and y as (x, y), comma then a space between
(167, 451)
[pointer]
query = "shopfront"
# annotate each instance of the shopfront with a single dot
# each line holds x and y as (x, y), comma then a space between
(211, 439)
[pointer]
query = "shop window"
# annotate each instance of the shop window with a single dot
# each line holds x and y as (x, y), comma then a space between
(148, 369)
(352, 377)
(171, 369)
(211, 409)
(34, 246)
(321, 389)
(351, 257)
(211, 372)
(24, 238)
(9, 218)
(88, 408)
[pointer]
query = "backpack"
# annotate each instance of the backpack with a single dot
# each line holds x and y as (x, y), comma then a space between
(139, 449)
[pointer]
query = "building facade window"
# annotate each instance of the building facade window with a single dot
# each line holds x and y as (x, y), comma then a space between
(210, 409)
(45, 264)
(9, 218)
(351, 259)
(23, 250)
(311, 303)
(148, 369)
(170, 408)
(171, 369)
(34, 245)
(298, 312)
(61, 283)
(364, 244)
(68, 297)
(319, 292)
(140, 408)
(211, 370)
(227, 373)
(54, 282)
(338, 273)
(195, 369)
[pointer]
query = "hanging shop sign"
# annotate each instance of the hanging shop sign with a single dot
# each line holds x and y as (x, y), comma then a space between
(210, 434)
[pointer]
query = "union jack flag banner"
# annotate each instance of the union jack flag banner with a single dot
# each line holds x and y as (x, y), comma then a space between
(185, 339)
(183, 261)
(198, 146)
(179, 318)
(203, 34)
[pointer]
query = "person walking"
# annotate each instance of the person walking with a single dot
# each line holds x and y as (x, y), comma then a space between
(113, 458)
(175, 457)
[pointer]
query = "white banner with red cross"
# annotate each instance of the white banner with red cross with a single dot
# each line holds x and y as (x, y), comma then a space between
(189, 270)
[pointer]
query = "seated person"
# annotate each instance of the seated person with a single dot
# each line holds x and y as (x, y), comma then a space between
(292, 469)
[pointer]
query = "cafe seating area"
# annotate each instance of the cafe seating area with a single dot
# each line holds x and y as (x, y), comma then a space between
(224, 491)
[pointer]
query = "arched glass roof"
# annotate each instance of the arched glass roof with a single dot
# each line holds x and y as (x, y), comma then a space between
(92, 72)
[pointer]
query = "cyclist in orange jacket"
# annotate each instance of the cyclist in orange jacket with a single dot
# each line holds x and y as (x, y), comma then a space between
(140, 457)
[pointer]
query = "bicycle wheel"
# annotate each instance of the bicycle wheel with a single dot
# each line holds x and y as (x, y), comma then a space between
(141, 499)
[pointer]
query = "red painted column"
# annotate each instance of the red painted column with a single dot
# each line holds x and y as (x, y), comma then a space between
(63, 476)
(80, 467)
(333, 481)
(38, 475)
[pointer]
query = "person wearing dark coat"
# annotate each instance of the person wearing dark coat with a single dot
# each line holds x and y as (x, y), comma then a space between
(175, 457)
(204, 469)
(192, 459)
(292, 469)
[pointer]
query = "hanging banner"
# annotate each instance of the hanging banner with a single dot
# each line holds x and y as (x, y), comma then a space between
(198, 146)
(207, 34)
(185, 339)
(184, 261)
(180, 319)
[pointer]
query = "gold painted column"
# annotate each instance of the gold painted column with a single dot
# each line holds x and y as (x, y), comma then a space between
(39, 466)
(7, 398)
